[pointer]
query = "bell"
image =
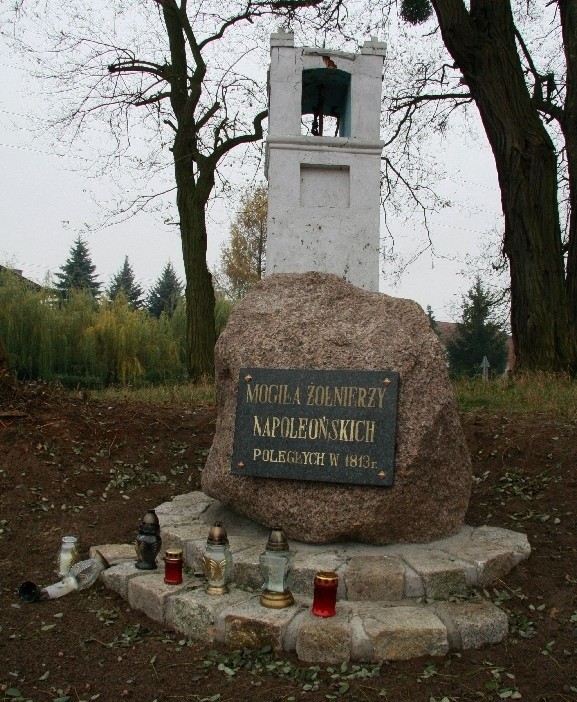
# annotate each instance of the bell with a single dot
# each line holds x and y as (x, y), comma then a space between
(148, 541)
(217, 561)
(275, 567)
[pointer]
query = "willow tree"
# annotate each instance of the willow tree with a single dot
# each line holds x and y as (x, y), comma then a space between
(173, 73)
(520, 72)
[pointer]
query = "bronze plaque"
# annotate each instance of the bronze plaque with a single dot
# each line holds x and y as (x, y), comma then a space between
(328, 425)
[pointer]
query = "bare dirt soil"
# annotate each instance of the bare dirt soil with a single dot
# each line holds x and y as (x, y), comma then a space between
(75, 465)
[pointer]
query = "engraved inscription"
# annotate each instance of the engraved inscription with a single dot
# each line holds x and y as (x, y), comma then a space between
(308, 424)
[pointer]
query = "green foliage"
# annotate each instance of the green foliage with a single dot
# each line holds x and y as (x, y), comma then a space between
(78, 342)
(416, 11)
(128, 342)
(74, 355)
(533, 393)
(78, 272)
(180, 393)
(165, 294)
(478, 335)
(222, 310)
(26, 324)
(124, 282)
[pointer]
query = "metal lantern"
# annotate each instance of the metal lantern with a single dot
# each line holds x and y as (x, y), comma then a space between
(217, 561)
(275, 567)
(148, 541)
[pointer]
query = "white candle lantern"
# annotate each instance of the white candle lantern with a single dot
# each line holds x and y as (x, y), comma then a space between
(217, 561)
(275, 567)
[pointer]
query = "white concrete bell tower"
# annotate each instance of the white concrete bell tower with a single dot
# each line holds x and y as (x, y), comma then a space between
(324, 190)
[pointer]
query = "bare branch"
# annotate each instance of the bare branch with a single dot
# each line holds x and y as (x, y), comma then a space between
(230, 144)
(462, 98)
(138, 67)
(208, 115)
(151, 100)
(543, 103)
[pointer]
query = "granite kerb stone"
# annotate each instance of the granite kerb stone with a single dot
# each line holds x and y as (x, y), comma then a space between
(471, 558)
(375, 577)
(253, 626)
(117, 577)
(183, 509)
(150, 593)
(472, 624)
(378, 617)
(201, 616)
(373, 631)
(190, 538)
(403, 632)
(325, 640)
(114, 554)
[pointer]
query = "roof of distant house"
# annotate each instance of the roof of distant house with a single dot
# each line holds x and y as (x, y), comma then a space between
(17, 272)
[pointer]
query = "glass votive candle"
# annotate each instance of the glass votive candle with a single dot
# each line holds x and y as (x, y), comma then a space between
(173, 566)
(325, 594)
(67, 555)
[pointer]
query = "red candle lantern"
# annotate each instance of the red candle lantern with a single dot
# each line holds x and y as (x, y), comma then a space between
(173, 566)
(325, 594)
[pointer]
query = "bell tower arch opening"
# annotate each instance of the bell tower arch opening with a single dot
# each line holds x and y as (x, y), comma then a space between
(326, 102)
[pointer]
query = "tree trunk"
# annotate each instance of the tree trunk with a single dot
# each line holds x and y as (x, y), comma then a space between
(200, 327)
(568, 14)
(482, 43)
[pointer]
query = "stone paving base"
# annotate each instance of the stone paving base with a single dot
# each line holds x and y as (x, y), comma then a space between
(393, 601)
(360, 631)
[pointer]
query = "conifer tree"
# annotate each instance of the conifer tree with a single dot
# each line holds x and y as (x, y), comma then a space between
(165, 293)
(78, 271)
(125, 282)
(478, 335)
(432, 320)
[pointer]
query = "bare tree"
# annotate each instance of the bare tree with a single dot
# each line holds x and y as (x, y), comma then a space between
(519, 68)
(179, 65)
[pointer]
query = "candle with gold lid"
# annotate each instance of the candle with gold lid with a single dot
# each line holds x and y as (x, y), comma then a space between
(325, 593)
(217, 561)
(275, 567)
(173, 566)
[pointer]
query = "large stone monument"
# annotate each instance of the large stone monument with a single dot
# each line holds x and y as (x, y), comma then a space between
(319, 321)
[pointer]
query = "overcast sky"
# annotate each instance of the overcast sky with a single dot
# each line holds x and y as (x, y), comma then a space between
(46, 200)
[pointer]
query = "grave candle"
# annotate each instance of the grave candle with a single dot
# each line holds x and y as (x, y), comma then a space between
(173, 566)
(325, 594)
